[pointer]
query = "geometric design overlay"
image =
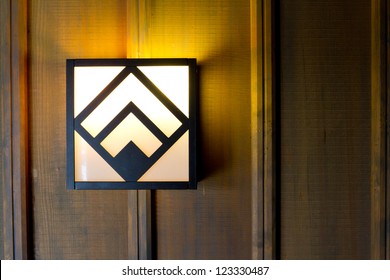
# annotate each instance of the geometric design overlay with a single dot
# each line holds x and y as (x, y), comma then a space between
(97, 79)
(174, 91)
(131, 162)
(136, 124)
(173, 165)
(131, 129)
(90, 166)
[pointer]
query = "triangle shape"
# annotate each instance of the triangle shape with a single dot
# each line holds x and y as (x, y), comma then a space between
(89, 82)
(90, 166)
(173, 165)
(131, 129)
(172, 81)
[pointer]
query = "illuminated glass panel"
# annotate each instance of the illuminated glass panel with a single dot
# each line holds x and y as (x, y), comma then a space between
(90, 166)
(131, 90)
(89, 82)
(172, 166)
(131, 123)
(173, 83)
(131, 129)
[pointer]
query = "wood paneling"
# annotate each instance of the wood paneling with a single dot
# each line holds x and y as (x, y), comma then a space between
(5, 121)
(387, 92)
(14, 141)
(1, 205)
(263, 130)
(70, 224)
(19, 97)
(257, 81)
(214, 221)
(1, 217)
(325, 127)
(325, 149)
(269, 133)
(378, 129)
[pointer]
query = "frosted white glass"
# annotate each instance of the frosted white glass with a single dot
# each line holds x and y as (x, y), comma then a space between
(89, 165)
(131, 89)
(173, 81)
(89, 82)
(131, 129)
(173, 165)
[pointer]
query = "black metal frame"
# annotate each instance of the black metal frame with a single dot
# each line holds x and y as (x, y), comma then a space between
(188, 124)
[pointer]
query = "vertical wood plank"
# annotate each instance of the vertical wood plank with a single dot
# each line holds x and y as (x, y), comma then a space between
(263, 129)
(132, 28)
(70, 224)
(324, 99)
(14, 108)
(378, 122)
(144, 225)
(19, 125)
(214, 221)
(132, 224)
(269, 133)
(387, 92)
(6, 140)
(256, 10)
(144, 10)
(138, 17)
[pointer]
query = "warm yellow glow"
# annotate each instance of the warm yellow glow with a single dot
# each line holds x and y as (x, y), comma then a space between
(173, 81)
(131, 129)
(89, 82)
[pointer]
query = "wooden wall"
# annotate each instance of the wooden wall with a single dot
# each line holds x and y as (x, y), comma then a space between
(325, 124)
(4, 116)
(1, 190)
(69, 224)
(319, 84)
(214, 222)
(1, 170)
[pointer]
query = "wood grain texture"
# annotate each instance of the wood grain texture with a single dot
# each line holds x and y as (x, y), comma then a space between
(378, 129)
(132, 28)
(19, 119)
(269, 133)
(132, 226)
(14, 142)
(263, 130)
(1, 206)
(214, 221)
(70, 224)
(144, 225)
(387, 91)
(325, 124)
(6, 234)
(257, 146)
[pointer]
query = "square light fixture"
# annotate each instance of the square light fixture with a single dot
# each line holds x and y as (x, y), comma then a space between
(131, 123)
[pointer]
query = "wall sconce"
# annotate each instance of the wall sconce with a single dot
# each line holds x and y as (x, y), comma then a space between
(131, 123)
